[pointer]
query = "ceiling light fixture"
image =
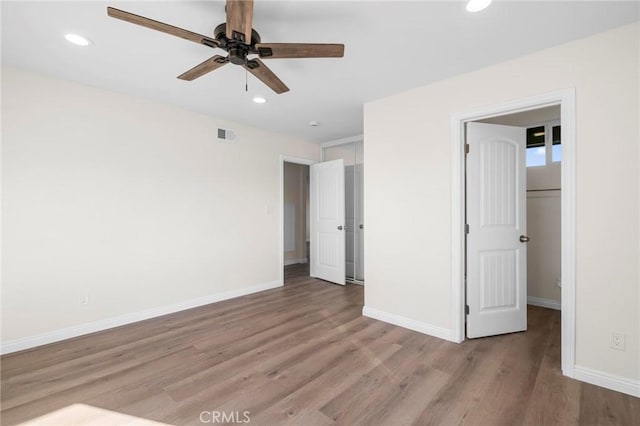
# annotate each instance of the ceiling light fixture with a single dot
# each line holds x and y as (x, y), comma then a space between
(259, 100)
(78, 40)
(314, 124)
(477, 5)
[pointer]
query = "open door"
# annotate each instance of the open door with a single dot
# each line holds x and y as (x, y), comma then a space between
(496, 239)
(327, 221)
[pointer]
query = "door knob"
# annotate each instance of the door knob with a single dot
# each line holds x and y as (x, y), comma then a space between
(524, 239)
(340, 228)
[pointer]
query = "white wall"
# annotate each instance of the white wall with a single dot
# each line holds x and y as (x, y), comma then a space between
(544, 249)
(408, 189)
(295, 199)
(347, 152)
(132, 203)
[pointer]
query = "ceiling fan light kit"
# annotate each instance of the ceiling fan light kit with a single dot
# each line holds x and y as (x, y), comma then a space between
(233, 37)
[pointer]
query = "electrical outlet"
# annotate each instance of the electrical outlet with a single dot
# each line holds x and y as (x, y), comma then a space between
(84, 300)
(617, 341)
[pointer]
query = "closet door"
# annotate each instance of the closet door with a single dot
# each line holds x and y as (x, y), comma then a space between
(350, 220)
(359, 210)
(352, 155)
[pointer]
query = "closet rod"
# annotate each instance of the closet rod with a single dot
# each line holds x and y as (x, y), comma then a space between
(539, 190)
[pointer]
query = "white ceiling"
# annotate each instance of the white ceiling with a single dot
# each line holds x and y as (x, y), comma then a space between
(391, 46)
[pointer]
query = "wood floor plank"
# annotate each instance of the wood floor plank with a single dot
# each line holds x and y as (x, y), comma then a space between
(304, 355)
(191, 386)
(515, 377)
(384, 381)
(95, 387)
(469, 383)
(599, 406)
(302, 403)
(228, 386)
(555, 400)
(404, 405)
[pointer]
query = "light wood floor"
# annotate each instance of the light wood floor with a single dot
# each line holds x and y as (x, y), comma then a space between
(303, 354)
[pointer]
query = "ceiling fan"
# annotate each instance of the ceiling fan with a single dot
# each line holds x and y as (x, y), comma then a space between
(240, 40)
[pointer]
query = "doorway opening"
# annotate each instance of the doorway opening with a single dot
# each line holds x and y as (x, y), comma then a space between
(295, 210)
(324, 201)
(294, 217)
(522, 109)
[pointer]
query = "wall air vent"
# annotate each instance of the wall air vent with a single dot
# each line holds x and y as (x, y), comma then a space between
(225, 135)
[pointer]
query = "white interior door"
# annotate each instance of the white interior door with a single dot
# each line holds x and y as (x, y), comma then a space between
(496, 239)
(328, 221)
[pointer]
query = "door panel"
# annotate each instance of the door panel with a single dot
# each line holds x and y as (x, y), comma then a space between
(327, 221)
(496, 215)
(350, 221)
(359, 221)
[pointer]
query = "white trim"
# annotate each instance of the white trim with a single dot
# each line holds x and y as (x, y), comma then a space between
(458, 217)
(566, 100)
(295, 160)
(295, 261)
(105, 324)
(411, 324)
(544, 303)
(606, 380)
(342, 141)
(568, 232)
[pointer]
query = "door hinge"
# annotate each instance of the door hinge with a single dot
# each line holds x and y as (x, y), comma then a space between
(466, 148)
(466, 309)
(466, 228)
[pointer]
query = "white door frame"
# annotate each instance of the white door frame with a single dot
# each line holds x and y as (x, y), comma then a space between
(566, 100)
(295, 160)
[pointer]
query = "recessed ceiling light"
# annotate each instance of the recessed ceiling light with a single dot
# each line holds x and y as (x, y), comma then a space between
(77, 39)
(259, 100)
(477, 5)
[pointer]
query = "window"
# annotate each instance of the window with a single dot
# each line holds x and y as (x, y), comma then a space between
(556, 147)
(536, 150)
(543, 144)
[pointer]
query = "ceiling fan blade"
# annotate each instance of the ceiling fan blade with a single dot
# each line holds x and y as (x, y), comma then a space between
(162, 27)
(207, 66)
(264, 74)
(299, 50)
(239, 20)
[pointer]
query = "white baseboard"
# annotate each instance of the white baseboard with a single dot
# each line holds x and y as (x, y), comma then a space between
(606, 380)
(295, 261)
(92, 327)
(411, 324)
(544, 303)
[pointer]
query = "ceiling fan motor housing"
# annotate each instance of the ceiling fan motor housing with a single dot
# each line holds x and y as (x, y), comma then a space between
(237, 47)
